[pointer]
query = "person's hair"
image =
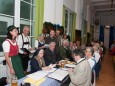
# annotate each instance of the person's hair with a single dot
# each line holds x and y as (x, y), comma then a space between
(74, 41)
(65, 41)
(52, 43)
(79, 52)
(96, 46)
(91, 49)
(36, 53)
(26, 26)
(41, 35)
(64, 35)
(9, 36)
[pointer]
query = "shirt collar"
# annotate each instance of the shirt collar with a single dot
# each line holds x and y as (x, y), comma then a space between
(80, 60)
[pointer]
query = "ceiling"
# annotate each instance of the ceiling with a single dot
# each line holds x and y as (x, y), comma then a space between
(104, 7)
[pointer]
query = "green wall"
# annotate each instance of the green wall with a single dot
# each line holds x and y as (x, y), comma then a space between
(39, 15)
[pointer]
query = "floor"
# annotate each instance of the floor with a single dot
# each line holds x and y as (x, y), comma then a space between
(107, 74)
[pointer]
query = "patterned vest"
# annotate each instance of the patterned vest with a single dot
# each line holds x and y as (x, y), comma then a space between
(13, 49)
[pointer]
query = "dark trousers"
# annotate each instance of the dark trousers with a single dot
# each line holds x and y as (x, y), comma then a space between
(97, 68)
(24, 59)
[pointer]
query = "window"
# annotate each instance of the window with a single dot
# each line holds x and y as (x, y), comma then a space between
(7, 7)
(26, 11)
(68, 21)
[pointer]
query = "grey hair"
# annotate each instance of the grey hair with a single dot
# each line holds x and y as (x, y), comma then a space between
(41, 35)
(91, 49)
(95, 47)
(65, 41)
(52, 43)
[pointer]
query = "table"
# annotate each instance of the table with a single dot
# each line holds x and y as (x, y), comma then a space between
(48, 82)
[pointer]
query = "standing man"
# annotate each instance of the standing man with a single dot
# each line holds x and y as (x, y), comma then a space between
(23, 41)
(81, 74)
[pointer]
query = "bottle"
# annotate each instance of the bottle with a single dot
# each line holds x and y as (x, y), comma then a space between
(14, 81)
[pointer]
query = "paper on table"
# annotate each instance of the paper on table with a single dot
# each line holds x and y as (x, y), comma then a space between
(64, 69)
(52, 70)
(38, 82)
(38, 75)
(58, 74)
(30, 80)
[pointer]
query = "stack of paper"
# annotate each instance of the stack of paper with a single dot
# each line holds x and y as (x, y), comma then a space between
(52, 70)
(38, 75)
(35, 82)
(58, 74)
(29, 80)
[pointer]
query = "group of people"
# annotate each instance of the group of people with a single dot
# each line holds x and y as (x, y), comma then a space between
(49, 51)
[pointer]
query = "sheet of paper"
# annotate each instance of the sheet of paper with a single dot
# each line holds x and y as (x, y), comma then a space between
(29, 80)
(52, 70)
(70, 65)
(38, 82)
(64, 69)
(59, 74)
(38, 75)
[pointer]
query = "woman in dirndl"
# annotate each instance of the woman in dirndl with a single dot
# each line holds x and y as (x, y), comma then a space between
(10, 49)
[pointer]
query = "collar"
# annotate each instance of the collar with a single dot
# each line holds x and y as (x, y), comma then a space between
(80, 60)
(23, 35)
(65, 47)
(51, 37)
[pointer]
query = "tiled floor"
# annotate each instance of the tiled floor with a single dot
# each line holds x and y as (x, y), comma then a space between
(107, 74)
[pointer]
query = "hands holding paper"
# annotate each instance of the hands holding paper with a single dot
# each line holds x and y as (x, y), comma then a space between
(52, 65)
(49, 67)
(46, 68)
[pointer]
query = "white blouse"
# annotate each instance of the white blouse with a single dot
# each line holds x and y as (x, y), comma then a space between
(6, 45)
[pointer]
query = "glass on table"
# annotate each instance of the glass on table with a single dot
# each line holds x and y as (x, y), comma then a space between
(62, 63)
(66, 60)
(14, 81)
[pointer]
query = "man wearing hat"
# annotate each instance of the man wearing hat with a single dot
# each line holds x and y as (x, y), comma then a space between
(10, 49)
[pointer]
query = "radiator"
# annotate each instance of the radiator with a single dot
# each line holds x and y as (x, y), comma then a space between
(3, 71)
(3, 68)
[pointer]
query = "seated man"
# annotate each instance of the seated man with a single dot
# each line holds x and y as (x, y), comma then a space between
(81, 74)
(65, 51)
(89, 55)
(50, 55)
